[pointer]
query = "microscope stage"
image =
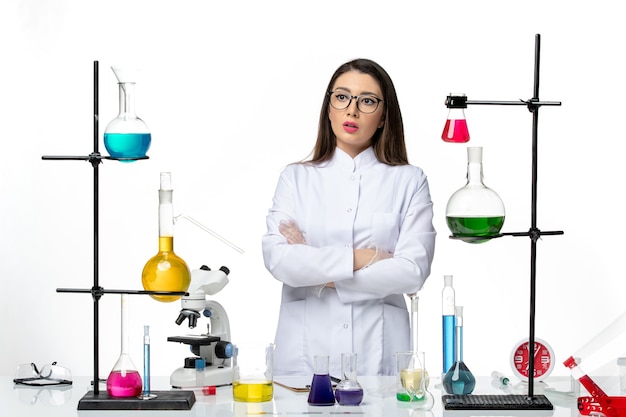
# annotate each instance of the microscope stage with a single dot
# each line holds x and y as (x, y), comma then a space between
(199, 340)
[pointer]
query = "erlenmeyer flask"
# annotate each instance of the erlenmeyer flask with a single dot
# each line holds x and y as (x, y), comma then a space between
(475, 210)
(166, 271)
(321, 386)
(124, 380)
(126, 136)
(455, 129)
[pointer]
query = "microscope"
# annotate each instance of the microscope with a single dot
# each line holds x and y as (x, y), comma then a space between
(211, 365)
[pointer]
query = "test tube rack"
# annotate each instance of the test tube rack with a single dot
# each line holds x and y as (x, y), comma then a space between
(95, 400)
(534, 233)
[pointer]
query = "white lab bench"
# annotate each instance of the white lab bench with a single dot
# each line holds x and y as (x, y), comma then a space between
(379, 401)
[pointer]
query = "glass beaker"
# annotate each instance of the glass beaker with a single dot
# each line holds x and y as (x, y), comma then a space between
(253, 378)
(459, 379)
(348, 390)
(412, 380)
(166, 271)
(124, 380)
(126, 136)
(321, 386)
(475, 210)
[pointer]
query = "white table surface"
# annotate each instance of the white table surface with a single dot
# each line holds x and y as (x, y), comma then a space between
(379, 400)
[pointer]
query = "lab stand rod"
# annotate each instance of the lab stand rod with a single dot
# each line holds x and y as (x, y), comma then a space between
(96, 234)
(102, 291)
(514, 103)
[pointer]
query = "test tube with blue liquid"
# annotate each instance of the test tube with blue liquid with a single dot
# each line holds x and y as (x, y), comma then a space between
(146, 394)
(447, 321)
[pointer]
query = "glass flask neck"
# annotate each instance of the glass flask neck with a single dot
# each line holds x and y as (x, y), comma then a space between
(124, 323)
(320, 365)
(475, 173)
(348, 366)
(459, 333)
(166, 209)
(127, 100)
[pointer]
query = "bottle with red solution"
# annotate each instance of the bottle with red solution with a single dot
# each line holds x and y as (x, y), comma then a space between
(598, 402)
(124, 380)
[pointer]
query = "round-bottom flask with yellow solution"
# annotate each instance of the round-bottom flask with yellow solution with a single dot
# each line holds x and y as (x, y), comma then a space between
(166, 271)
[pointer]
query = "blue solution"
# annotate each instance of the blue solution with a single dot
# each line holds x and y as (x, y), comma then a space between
(127, 145)
(321, 391)
(459, 380)
(146, 369)
(449, 345)
(349, 396)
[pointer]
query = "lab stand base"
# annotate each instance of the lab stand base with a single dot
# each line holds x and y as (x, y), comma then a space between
(165, 400)
(496, 402)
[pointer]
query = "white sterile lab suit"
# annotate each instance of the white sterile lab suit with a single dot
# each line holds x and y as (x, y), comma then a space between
(341, 205)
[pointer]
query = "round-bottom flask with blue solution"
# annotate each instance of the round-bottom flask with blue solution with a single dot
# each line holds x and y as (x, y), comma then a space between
(126, 137)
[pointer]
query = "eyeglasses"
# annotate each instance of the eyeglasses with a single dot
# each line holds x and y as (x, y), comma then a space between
(50, 374)
(366, 103)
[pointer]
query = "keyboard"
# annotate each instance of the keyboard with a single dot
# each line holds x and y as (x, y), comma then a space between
(496, 402)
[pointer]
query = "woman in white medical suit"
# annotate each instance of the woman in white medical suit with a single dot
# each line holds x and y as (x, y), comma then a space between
(350, 232)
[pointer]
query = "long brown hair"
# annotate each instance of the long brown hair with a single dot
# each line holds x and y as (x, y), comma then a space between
(388, 141)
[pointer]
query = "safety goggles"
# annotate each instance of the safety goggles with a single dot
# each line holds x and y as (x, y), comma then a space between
(50, 374)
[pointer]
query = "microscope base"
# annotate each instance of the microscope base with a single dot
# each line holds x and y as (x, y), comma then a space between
(211, 376)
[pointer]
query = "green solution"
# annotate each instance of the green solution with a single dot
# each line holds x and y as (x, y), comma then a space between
(471, 227)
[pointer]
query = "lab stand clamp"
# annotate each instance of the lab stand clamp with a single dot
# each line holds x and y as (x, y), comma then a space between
(531, 401)
(95, 400)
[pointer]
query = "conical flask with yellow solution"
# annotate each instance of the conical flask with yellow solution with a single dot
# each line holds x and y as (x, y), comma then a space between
(166, 271)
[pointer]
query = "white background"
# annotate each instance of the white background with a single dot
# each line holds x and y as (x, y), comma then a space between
(231, 92)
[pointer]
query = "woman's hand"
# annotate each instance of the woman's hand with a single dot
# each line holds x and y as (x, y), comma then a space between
(369, 256)
(292, 232)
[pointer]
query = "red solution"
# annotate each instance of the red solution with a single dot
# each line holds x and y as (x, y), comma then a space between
(455, 131)
(598, 402)
(127, 385)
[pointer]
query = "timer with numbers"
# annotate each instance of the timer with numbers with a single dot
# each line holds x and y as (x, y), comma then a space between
(542, 356)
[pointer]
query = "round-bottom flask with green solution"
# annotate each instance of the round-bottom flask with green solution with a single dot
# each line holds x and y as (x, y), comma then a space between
(475, 212)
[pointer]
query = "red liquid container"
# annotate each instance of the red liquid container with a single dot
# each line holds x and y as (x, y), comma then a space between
(599, 402)
(124, 380)
(455, 131)
(124, 384)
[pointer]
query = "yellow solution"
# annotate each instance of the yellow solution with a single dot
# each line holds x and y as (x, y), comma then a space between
(412, 378)
(253, 391)
(166, 271)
